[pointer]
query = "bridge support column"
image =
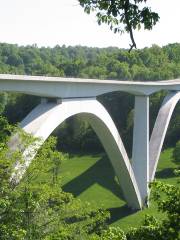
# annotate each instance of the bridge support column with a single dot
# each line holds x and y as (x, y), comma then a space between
(44, 100)
(140, 155)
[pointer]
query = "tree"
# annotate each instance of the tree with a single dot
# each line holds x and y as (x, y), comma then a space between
(122, 15)
(37, 208)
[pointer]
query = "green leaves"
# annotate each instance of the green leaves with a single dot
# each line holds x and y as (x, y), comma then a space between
(113, 233)
(122, 15)
(148, 18)
(38, 208)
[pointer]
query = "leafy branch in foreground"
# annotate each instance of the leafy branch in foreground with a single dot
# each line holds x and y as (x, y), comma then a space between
(122, 15)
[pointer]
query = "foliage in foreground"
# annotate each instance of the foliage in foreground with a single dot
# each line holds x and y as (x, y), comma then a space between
(38, 208)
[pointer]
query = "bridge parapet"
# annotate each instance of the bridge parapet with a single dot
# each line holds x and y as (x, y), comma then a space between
(76, 87)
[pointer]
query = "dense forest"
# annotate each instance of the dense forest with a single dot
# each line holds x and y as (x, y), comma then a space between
(153, 63)
(148, 64)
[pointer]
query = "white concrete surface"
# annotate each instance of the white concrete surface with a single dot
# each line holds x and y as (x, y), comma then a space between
(47, 116)
(140, 153)
(75, 87)
(160, 129)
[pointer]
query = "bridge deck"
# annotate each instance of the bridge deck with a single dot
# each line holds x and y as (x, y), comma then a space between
(76, 87)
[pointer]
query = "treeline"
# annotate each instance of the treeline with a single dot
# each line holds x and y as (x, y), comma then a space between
(147, 64)
(153, 63)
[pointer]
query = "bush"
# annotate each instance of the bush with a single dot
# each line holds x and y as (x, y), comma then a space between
(113, 233)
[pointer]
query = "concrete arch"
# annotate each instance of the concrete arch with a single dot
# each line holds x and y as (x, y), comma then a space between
(160, 129)
(47, 116)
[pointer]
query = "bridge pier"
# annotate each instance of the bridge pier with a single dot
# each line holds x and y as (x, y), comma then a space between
(140, 153)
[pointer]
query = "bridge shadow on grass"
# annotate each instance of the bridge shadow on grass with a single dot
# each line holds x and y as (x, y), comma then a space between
(100, 173)
(165, 173)
(119, 213)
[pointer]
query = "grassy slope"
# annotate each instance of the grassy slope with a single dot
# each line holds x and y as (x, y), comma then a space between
(91, 178)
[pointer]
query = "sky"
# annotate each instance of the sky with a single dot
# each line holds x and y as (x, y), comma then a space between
(56, 22)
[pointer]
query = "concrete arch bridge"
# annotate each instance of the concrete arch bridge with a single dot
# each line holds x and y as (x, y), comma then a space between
(78, 96)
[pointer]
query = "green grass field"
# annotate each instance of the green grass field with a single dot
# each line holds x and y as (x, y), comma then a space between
(91, 178)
